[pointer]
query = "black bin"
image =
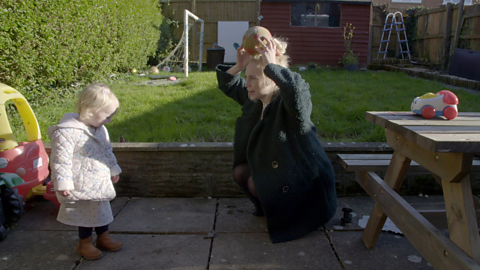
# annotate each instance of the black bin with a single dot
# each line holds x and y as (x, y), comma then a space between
(215, 56)
(465, 64)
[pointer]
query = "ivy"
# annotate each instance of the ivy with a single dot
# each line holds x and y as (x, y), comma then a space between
(411, 21)
(167, 40)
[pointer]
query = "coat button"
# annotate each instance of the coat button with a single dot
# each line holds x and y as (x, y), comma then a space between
(275, 164)
(285, 189)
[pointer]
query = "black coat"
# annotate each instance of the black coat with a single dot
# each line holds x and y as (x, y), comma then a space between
(292, 174)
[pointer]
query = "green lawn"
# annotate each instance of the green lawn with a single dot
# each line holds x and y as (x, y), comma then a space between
(196, 110)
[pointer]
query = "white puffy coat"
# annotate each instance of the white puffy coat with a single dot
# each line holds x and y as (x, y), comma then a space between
(82, 162)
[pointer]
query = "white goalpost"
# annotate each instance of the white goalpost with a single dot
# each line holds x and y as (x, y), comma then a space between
(181, 52)
(186, 25)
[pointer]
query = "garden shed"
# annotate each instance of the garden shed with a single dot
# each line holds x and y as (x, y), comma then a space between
(315, 29)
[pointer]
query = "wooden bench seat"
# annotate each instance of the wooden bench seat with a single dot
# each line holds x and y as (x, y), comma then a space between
(362, 163)
(380, 162)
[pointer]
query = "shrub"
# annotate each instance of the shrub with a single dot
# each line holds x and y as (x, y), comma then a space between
(46, 46)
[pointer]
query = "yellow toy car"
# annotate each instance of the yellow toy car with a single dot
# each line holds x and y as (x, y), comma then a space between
(29, 159)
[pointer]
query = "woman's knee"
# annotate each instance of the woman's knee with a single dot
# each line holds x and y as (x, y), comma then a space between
(241, 173)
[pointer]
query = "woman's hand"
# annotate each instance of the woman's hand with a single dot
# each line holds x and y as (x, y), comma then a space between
(242, 58)
(268, 51)
(242, 61)
(65, 193)
(115, 179)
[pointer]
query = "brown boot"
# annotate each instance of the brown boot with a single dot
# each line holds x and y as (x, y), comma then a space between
(86, 248)
(105, 242)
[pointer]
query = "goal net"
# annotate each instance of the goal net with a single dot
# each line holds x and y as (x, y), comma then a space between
(187, 55)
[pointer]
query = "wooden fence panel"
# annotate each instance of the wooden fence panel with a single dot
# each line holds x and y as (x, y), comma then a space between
(430, 36)
(470, 34)
(378, 20)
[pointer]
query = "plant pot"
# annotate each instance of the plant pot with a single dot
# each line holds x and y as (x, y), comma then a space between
(351, 67)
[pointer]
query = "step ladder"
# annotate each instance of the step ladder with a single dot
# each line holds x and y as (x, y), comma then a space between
(394, 21)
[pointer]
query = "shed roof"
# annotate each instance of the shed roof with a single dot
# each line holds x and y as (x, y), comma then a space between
(361, 2)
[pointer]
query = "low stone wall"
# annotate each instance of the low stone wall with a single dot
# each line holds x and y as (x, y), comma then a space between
(205, 170)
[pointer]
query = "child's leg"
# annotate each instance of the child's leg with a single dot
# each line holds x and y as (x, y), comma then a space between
(84, 232)
(241, 175)
(101, 230)
(104, 241)
(85, 246)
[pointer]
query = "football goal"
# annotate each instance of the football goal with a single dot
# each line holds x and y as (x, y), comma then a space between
(187, 55)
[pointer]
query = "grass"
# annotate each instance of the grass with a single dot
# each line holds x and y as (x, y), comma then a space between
(196, 110)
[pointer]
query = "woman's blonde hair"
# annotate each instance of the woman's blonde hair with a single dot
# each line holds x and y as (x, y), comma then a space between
(93, 98)
(282, 59)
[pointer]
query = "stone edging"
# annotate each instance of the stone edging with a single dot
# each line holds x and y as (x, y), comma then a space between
(434, 75)
(228, 146)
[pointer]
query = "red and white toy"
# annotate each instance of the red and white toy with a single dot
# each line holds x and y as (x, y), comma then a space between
(28, 160)
(443, 103)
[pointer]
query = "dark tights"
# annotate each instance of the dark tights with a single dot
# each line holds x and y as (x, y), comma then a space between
(85, 232)
(243, 177)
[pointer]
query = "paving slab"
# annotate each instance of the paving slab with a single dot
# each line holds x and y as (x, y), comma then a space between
(392, 252)
(256, 251)
(360, 206)
(145, 251)
(363, 205)
(434, 202)
(24, 250)
(118, 203)
(43, 217)
(236, 215)
(166, 215)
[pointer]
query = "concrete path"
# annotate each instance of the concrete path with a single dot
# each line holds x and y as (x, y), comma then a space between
(202, 233)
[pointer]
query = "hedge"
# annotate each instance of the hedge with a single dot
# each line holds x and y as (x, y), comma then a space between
(48, 45)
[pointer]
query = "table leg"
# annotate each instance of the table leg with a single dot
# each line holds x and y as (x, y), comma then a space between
(435, 247)
(453, 169)
(462, 224)
(476, 203)
(394, 178)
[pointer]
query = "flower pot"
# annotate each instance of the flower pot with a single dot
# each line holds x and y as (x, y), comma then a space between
(351, 67)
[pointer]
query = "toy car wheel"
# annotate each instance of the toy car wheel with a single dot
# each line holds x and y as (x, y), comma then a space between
(428, 112)
(450, 113)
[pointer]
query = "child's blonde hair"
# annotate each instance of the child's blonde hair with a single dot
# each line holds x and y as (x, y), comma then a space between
(93, 98)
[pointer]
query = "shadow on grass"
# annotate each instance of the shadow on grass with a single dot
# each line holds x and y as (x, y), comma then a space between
(177, 114)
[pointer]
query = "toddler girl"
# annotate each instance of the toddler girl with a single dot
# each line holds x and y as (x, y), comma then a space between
(84, 169)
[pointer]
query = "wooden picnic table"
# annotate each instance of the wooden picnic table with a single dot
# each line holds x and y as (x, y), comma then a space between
(446, 149)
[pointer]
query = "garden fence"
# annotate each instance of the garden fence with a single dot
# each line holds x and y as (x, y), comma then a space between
(431, 33)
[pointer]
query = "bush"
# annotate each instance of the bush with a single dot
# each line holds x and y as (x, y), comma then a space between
(46, 46)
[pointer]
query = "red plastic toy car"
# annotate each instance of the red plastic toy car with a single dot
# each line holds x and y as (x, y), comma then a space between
(443, 103)
(29, 159)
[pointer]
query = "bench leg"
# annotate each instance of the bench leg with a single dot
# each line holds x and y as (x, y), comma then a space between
(394, 177)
